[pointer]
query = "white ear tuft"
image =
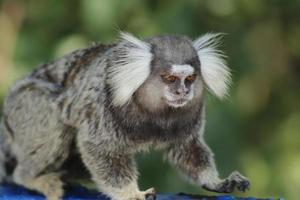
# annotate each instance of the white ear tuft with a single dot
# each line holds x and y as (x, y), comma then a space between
(135, 41)
(214, 69)
(129, 68)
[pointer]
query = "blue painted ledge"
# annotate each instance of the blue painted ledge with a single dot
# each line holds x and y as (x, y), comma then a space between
(11, 192)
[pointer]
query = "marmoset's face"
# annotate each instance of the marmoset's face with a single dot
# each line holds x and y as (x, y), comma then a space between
(175, 86)
(178, 83)
(175, 79)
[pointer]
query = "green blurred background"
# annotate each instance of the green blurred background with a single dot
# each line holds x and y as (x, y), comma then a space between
(255, 131)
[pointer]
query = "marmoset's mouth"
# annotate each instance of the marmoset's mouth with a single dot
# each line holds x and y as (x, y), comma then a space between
(177, 103)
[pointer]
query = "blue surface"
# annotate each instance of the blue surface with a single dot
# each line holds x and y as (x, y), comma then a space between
(10, 192)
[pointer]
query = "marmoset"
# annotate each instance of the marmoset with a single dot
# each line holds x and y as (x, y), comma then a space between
(100, 105)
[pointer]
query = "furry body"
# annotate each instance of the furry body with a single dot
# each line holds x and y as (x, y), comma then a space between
(95, 103)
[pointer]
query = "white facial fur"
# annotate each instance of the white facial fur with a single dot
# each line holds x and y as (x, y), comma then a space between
(129, 72)
(173, 100)
(214, 70)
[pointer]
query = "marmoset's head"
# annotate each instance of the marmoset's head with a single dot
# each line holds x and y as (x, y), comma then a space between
(166, 71)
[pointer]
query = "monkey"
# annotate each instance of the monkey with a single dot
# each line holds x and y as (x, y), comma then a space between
(97, 107)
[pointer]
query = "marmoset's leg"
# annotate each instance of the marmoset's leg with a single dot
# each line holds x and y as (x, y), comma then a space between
(40, 170)
(196, 161)
(40, 143)
(114, 173)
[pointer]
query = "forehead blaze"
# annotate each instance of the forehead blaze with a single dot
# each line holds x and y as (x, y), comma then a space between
(182, 70)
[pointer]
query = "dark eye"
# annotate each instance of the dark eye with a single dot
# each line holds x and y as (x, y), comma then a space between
(191, 78)
(169, 78)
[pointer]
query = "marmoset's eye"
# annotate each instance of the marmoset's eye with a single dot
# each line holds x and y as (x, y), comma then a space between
(191, 78)
(169, 78)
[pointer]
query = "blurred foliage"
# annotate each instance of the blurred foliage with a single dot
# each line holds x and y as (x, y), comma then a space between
(255, 131)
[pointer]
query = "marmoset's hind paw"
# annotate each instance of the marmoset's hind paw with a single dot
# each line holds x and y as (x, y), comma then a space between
(49, 184)
(149, 194)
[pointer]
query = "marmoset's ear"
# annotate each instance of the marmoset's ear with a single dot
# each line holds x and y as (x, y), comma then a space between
(130, 67)
(214, 69)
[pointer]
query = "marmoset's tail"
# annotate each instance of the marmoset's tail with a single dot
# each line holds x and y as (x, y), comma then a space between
(6, 161)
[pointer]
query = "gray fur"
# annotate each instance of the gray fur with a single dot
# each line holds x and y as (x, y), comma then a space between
(2, 156)
(64, 110)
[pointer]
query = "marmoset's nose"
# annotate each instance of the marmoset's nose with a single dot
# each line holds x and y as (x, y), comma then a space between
(182, 91)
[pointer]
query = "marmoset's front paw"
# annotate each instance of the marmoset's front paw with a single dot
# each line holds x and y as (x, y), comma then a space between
(150, 194)
(235, 180)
